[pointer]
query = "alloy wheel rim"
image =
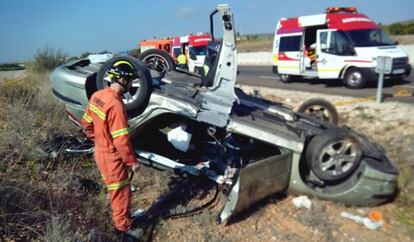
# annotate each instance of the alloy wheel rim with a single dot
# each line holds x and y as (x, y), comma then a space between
(157, 63)
(284, 77)
(130, 96)
(355, 78)
(339, 157)
(319, 112)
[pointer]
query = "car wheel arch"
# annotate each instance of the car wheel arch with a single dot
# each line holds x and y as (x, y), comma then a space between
(344, 70)
(90, 85)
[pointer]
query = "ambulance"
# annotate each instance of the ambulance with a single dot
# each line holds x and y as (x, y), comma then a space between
(339, 44)
(194, 47)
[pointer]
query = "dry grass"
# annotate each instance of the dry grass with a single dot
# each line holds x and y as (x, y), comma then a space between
(404, 39)
(51, 199)
(264, 44)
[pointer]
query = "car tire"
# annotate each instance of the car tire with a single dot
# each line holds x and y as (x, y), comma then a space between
(157, 60)
(333, 155)
(137, 99)
(285, 78)
(354, 78)
(320, 109)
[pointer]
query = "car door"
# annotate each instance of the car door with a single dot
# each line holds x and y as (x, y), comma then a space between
(289, 54)
(329, 61)
(257, 181)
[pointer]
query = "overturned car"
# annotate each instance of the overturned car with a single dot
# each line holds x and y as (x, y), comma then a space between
(205, 126)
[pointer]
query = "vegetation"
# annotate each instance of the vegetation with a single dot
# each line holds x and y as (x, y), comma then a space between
(401, 28)
(256, 42)
(47, 59)
(85, 54)
(51, 198)
(11, 67)
(135, 52)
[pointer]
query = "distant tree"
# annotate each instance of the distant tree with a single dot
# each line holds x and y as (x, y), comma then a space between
(85, 54)
(105, 52)
(47, 59)
(396, 29)
(11, 67)
(135, 52)
(254, 37)
(410, 28)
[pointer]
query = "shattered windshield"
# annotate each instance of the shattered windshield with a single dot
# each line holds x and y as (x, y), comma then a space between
(369, 37)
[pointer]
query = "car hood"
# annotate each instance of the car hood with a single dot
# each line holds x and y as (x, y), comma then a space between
(374, 52)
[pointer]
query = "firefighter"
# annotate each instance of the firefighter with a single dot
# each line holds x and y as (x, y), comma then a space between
(106, 123)
(182, 61)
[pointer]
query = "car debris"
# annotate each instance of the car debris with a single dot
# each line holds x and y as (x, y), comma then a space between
(64, 144)
(302, 202)
(367, 222)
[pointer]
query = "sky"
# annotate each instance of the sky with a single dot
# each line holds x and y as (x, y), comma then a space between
(77, 26)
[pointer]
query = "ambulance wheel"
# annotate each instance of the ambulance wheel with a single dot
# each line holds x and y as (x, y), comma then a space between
(136, 99)
(285, 78)
(333, 155)
(397, 80)
(321, 109)
(354, 78)
(157, 60)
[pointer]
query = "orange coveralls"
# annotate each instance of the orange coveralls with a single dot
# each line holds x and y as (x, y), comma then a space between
(105, 121)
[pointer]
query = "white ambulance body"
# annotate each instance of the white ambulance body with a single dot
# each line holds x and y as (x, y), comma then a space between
(344, 45)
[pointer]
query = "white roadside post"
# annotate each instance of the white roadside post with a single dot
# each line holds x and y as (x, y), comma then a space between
(384, 66)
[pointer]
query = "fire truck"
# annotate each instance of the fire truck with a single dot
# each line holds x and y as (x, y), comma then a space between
(161, 54)
(339, 44)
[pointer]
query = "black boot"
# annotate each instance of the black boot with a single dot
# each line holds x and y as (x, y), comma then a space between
(133, 234)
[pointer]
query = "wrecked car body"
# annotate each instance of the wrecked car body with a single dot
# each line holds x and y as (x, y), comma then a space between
(205, 126)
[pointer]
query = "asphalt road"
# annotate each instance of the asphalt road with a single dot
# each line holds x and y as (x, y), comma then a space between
(263, 76)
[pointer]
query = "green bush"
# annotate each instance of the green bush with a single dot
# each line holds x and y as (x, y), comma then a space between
(85, 54)
(399, 28)
(11, 67)
(47, 59)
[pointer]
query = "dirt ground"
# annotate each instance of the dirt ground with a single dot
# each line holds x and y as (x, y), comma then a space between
(276, 219)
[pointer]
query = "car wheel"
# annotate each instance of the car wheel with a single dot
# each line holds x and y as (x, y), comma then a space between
(333, 155)
(320, 109)
(158, 60)
(354, 78)
(285, 78)
(137, 98)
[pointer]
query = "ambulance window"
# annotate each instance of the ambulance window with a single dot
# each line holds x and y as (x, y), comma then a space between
(324, 41)
(336, 43)
(290, 43)
(177, 52)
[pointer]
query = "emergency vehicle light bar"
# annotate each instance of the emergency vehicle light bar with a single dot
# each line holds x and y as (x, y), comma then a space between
(341, 9)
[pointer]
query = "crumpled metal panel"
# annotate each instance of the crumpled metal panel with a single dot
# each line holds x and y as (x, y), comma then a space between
(257, 181)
